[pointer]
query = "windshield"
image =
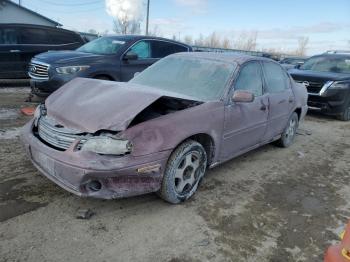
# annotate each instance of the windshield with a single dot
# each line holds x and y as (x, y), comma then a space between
(202, 78)
(102, 46)
(336, 64)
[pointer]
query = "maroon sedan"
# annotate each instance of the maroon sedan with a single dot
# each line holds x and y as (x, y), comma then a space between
(163, 129)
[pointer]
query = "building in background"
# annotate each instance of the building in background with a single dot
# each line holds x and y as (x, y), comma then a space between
(11, 12)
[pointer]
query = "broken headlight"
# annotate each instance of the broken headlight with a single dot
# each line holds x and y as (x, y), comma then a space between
(107, 145)
(38, 113)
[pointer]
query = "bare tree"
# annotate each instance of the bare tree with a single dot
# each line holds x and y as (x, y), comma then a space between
(154, 31)
(213, 40)
(126, 14)
(226, 43)
(246, 41)
(125, 26)
(200, 41)
(188, 40)
(302, 46)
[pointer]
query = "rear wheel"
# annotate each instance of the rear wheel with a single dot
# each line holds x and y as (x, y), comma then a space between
(184, 170)
(345, 115)
(288, 135)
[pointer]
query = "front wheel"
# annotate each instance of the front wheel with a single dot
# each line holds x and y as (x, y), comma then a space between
(288, 135)
(345, 115)
(185, 168)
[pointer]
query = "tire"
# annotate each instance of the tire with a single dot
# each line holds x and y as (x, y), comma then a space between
(289, 133)
(345, 115)
(184, 170)
(102, 78)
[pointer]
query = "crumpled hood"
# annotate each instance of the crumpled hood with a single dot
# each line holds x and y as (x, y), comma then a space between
(89, 105)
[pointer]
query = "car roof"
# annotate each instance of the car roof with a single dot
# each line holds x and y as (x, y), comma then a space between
(35, 26)
(224, 57)
(139, 37)
(345, 55)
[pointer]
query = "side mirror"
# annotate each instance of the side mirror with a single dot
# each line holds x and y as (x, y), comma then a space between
(243, 97)
(130, 56)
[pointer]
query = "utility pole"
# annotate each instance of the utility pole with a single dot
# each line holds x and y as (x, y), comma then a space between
(147, 17)
(19, 2)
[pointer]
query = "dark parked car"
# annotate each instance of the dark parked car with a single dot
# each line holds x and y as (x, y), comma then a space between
(327, 79)
(160, 131)
(115, 58)
(20, 42)
(292, 62)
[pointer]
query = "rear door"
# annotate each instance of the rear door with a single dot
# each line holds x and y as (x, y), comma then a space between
(281, 98)
(32, 41)
(10, 63)
(245, 123)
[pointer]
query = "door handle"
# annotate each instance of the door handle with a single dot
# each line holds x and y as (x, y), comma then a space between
(15, 51)
(263, 107)
(291, 100)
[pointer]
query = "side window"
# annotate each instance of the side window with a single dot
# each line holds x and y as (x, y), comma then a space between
(8, 36)
(34, 36)
(162, 49)
(249, 79)
(58, 37)
(142, 49)
(276, 78)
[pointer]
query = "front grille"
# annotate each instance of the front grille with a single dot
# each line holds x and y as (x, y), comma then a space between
(38, 70)
(57, 135)
(314, 87)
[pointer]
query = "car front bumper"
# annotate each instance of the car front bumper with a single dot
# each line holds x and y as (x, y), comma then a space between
(332, 102)
(75, 170)
(44, 87)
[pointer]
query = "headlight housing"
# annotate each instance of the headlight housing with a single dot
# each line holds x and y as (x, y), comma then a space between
(37, 114)
(71, 69)
(339, 85)
(107, 145)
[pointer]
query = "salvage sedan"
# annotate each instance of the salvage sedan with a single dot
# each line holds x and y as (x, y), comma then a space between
(161, 131)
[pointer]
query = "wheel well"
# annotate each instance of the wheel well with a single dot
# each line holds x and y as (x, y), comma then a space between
(207, 142)
(101, 76)
(298, 111)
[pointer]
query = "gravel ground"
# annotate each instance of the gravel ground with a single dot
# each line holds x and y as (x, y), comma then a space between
(271, 204)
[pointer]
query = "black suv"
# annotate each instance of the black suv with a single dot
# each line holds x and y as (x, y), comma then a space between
(20, 42)
(115, 58)
(327, 79)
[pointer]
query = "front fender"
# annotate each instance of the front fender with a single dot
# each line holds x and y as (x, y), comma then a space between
(168, 131)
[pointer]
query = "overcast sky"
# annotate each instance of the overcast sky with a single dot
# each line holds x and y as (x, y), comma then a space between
(279, 23)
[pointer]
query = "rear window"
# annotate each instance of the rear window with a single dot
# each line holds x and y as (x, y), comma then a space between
(34, 36)
(8, 36)
(162, 49)
(58, 37)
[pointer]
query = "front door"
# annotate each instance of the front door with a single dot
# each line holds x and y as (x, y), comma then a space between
(144, 60)
(281, 98)
(245, 123)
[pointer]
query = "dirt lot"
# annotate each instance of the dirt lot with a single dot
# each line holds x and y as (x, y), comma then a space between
(271, 204)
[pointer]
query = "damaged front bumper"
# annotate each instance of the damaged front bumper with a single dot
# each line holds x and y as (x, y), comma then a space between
(91, 175)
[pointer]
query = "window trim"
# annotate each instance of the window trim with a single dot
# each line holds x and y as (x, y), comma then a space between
(288, 80)
(151, 39)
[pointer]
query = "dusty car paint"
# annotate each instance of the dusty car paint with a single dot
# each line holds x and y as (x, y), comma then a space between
(93, 106)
